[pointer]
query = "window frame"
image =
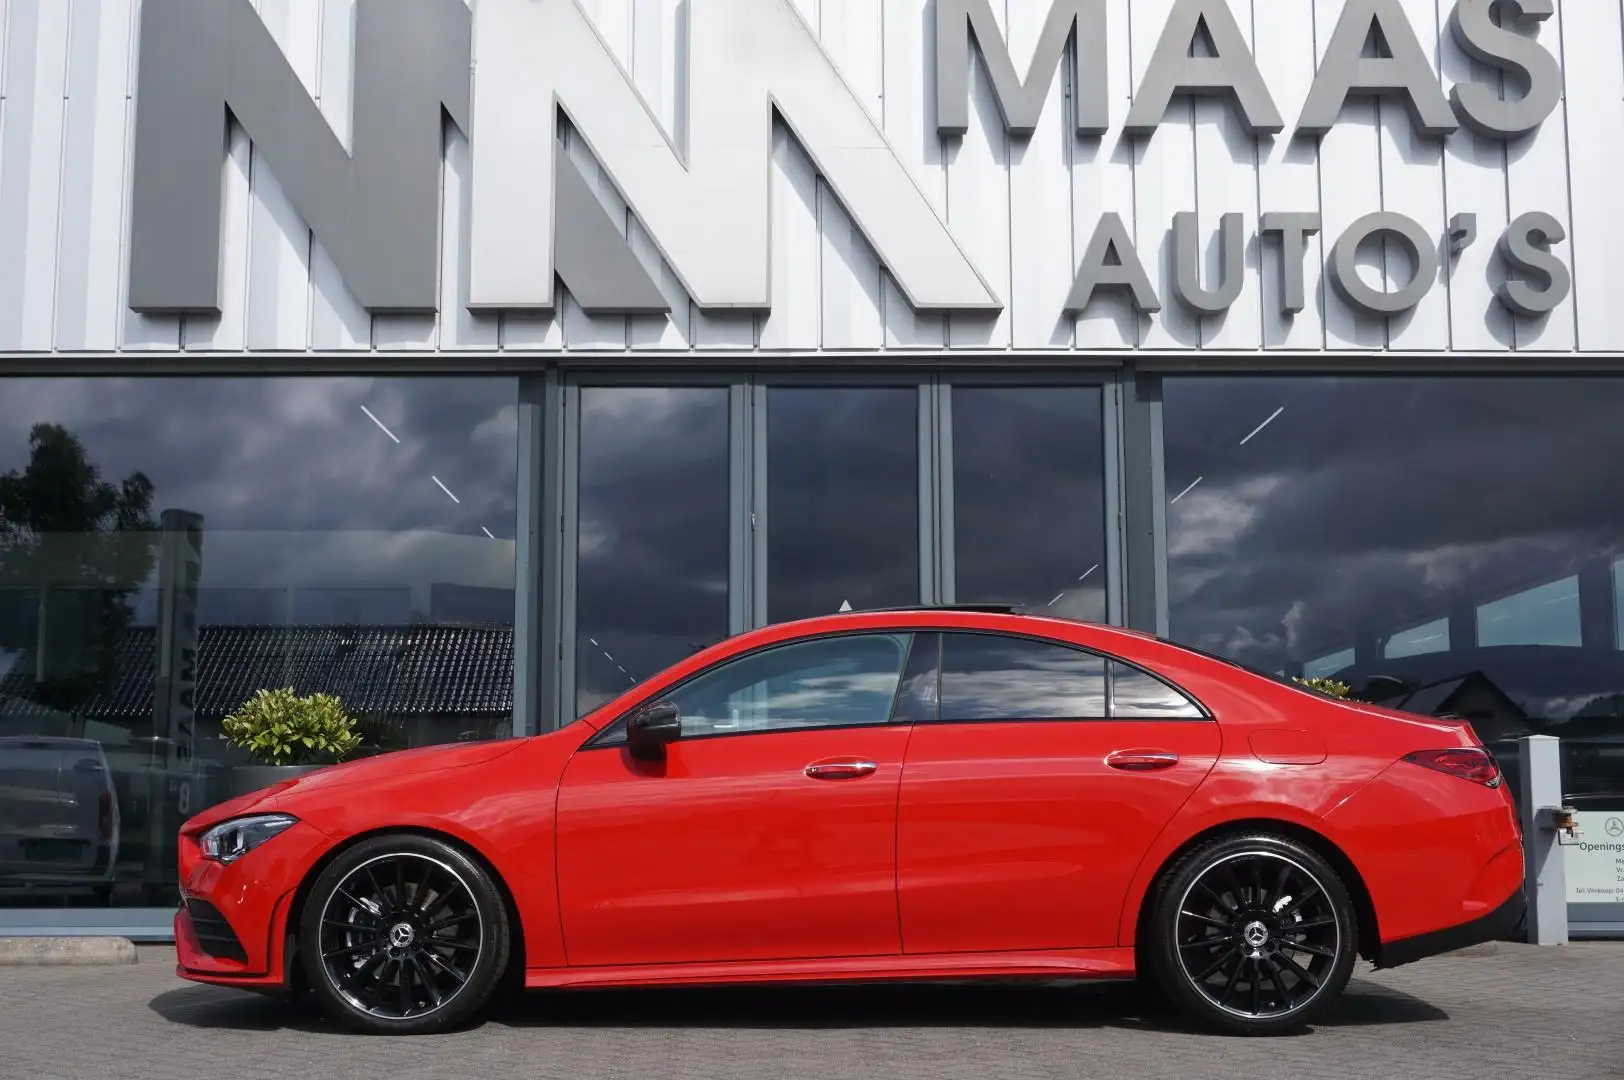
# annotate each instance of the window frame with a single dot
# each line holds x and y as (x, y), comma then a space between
(613, 734)
(1204, 714)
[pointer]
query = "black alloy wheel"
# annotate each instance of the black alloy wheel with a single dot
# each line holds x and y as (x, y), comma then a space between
(1253, 935)
(404, 935)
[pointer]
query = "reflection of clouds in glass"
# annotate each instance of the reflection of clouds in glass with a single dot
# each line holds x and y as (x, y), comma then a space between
(987, 677)
(821, 699)
(255, 453)
(1028, 692)
(1211, 520)
(1369, 503)
(413, 560)
(1138, 696)
(842, 499)
(1029, 497)
(301, 493)
(652, 574)
(1085, 604)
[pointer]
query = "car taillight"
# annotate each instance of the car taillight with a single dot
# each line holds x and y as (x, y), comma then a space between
(1471, 764)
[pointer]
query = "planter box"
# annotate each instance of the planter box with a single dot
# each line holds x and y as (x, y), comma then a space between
(244, 779)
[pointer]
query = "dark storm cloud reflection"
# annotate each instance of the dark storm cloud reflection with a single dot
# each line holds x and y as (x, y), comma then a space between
(300, 489)
(653, 534)
(292, 453)
(1368, 505)
(1029, 498)
(842, 499)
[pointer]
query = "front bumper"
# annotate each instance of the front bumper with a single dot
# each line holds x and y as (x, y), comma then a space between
(1501, 924)
(232, 923)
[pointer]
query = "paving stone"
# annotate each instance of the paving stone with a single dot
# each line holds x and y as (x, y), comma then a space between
(1513, 1011)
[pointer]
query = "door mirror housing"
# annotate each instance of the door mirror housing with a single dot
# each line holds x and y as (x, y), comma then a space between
(651, 729)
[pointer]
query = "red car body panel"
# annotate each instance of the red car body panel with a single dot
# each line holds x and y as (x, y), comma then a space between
(1004, 848)
(1018, 836)
(727, 851)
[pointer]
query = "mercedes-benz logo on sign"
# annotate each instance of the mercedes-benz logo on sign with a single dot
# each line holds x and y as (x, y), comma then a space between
(1615, 826)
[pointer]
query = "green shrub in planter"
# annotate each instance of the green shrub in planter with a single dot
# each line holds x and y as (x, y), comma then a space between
(278, 727)
(1328, 686)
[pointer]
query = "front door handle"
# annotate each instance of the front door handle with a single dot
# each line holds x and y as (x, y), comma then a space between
(1142, 760)
(840, 769)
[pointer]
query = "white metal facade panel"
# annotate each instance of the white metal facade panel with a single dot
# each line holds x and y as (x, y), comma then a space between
(1022, 208)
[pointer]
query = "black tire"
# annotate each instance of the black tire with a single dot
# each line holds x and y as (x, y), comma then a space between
(1252, 934)
(403, 935)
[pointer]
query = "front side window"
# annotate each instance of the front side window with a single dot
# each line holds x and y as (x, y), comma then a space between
(848, 681)
(989, 677)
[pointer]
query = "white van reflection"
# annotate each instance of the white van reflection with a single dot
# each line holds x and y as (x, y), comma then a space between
(59, 816)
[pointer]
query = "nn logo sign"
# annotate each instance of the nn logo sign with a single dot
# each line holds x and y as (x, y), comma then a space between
(705, 198)
(375, 205)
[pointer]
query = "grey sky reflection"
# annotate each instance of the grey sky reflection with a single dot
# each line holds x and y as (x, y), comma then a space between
(653, 534)
(1371, 506)
(299, 488)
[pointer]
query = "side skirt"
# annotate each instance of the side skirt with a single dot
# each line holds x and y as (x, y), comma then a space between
(1059, 964)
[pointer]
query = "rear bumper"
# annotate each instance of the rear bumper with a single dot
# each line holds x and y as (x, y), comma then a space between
(1501, 924)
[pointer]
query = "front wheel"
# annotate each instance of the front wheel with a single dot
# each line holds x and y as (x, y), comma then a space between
(403, 935)
(1253, 935)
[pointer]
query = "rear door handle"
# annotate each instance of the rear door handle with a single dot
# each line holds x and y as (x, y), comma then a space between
(840, 769)
(1142, 760)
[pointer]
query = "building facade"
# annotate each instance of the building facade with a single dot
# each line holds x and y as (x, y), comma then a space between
(474, 362)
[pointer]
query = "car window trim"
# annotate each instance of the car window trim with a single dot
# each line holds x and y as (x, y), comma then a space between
(613, 734)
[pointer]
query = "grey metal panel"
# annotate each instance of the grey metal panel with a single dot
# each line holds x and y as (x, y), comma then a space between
(945, 548)
(546, 582)
(741, 530)
(758, 503)
(1115, 523)
(1144, 522)
(1595, 921)
(932, 586)
(529, 564)
(375, 209)
(594, 262)
(569, 523)
(141, 925)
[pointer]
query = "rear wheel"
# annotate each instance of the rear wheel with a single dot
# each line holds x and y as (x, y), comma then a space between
(403, 935)
(1253, 935)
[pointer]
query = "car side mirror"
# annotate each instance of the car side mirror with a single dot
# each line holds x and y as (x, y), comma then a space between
(651, 729)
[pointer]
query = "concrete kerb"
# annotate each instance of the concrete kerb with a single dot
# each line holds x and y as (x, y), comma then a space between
(65, 951)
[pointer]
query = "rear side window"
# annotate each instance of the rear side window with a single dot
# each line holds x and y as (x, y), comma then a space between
(1139, 695)
(989, 677)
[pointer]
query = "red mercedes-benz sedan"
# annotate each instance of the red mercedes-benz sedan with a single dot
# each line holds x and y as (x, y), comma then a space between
(917, 794)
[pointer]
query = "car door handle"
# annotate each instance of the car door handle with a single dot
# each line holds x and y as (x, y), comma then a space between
(840, 769)
(1142, 760)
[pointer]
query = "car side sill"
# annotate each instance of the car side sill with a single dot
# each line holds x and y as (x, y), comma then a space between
(1113, 963)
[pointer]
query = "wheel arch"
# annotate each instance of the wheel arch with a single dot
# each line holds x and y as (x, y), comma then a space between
(1358, 891)
(292, 970)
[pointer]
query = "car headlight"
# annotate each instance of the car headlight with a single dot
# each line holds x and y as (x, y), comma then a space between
(233, 839)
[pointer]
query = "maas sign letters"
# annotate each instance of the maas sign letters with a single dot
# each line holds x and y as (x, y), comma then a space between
(374, 206)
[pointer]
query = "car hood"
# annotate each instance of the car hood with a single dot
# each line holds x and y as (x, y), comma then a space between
(285, 794)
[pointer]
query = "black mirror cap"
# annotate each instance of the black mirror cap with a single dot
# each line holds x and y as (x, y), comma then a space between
(651, 728)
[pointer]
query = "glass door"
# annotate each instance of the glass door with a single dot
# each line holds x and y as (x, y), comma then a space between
(697, 507)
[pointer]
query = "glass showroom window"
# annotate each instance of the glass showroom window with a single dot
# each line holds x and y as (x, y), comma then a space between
(651, 533)
(1443, 545)
(1029, 498)
(842, 499)
(352, 536)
